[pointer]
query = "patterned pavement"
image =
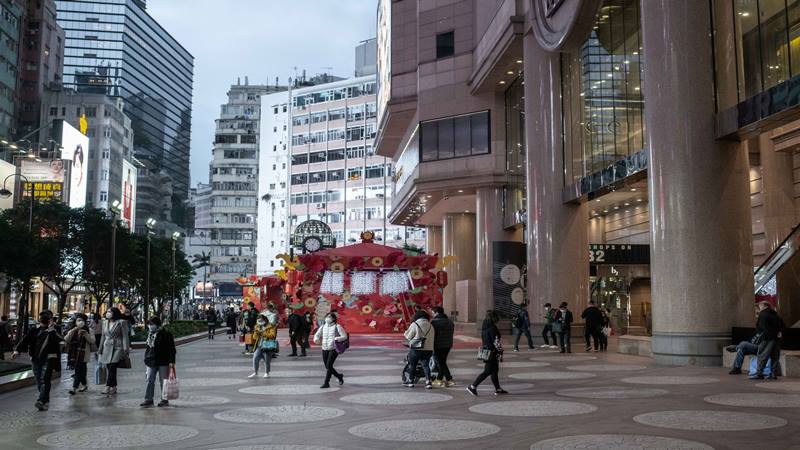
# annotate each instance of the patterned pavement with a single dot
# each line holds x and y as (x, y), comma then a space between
(557, 402)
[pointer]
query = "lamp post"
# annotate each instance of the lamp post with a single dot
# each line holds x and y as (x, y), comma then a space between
(5, 193)
(116, 208)
(150, 224)
(175, 237)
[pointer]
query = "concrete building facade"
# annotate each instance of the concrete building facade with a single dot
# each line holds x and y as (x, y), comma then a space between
(11, 15)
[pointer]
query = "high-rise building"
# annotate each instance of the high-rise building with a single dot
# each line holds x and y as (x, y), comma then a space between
(11, 12)
(115, 47)
(234, 182)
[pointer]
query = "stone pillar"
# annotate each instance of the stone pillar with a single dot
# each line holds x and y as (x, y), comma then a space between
(458, 237)
(701, 243)
(597, 230)
(558, 240)
(489, 218)
(433, 240)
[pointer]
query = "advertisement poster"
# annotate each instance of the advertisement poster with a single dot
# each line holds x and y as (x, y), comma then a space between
(509, 274)
(7, 171)
(74, 154)
(129, 173)
(46, 177)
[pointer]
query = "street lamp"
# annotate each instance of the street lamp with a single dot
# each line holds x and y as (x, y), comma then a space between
(150, 224)
(116, 208)
(5, 193)
(175, 237)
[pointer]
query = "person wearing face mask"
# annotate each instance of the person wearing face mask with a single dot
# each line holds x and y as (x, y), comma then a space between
(561, 325)
(43, 344)
(265, 343)
(328, 333)
(159, 358)
(549, 315)
(114, 346)
(80, 344)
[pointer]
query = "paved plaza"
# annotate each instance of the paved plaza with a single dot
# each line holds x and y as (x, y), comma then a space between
(556, 402)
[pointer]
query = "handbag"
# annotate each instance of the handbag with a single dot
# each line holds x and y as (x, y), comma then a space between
(418, 343)
(248, 339)
(340, 346)
(125, 362)
(170, 389)
(607, 331)
(484, 354)
(269, 345)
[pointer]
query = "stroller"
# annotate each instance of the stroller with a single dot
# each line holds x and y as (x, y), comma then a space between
(418, 373)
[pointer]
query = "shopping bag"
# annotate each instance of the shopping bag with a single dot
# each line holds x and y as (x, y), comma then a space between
(754, 367)
(607, 331)
(241, 338)
(170, 389)
(100, 373)
(248, 339)
(484, 354)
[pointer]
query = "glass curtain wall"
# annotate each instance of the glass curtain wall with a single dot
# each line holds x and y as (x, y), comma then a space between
(603, 106)
(514, 192)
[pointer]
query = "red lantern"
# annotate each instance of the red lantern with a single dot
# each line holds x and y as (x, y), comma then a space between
(441, 278)
(291, 277)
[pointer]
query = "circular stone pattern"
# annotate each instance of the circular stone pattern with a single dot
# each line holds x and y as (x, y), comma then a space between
(349, 359)
(117, 436)
(369, 367)
(563, 358)
(395, 398)
(279, 414)
(756, 400)
(221, 369)
(183, 401)
(278, 447)
(487, 387)
(209, 382)
(294, 363)
(610, 392)
(375, 379)
(606, 367)
(520, 364)
(15, 420)
(709, 420)
(786, 386)
(552, 376)
(533, 408)
(465, 371)
(424, 430)
(244, 359)
(287, 389)
(619, 442)
(296, 373)
(670, 380)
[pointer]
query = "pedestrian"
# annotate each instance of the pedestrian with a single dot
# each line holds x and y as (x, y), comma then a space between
(230, 322)
(43, 344)
(272, 314)
(115, 345)
(421, 337)
(159, 358)
(265, 335)
(328, 333)
(522, 325)
(562, 324)
(5, 336)
(95, 327)
(443, 328)
(771, 327)
(296, 326)
(605, 328)
(547, 330)
(310, 325)
(490, 340)
(248, 322)
(211, 321)
(593, 323)
(80, 344)
(743, 349)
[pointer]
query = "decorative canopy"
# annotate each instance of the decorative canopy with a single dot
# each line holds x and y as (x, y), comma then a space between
(313, 229)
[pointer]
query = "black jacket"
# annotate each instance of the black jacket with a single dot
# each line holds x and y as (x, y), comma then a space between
(567, 319)
(250, 318)
(488, 336)
(162, 353)
(296, 323)
(230, 320)
(41, 342)
(593, 317)
(211, 316)
(443, 329)
(770, 324)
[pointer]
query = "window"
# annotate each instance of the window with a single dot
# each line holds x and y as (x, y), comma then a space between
(445, 44)
(91, 111)
(336, 114)
(272, 186)
(316, 157)
(299, 178)
(300, 159)
(225, 139)
(248, 139)
(354, 174)
(54, 111)
(452, 137)
(336, 155)
(104, 175)
(336, 175)
(374, 171)
(284, 108)
(103, 196)
(106, 154)
(317, 177)
(276, 110)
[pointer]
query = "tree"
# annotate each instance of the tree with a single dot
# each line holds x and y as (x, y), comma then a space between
(202, 260)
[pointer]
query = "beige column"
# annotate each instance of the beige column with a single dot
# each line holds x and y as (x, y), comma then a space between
(701, 243)
(489, 218)
(458, 237)
(433, 240)
(558, 241)
(597, 230)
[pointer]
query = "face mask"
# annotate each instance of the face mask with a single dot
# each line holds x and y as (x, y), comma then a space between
(152, 328)
(329, 321)
(45, 321)
(80, 323)
(262, 323)
(109, 315)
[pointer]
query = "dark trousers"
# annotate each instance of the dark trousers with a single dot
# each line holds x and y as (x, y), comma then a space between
(769, 350)
(548, 329)
(591, 333)
(80, 375)
(329, 357)
(298, 338)
(491, 368)
(306, 336)
(211, 329)
(111, 378)
(441, 361)
(518, 332)
(564, 341)
(420, 356)
(603, 341)
(43, 373)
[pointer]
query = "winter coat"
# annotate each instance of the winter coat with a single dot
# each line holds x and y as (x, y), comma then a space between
(422, 328)
(328, 333)
(88, 348)
(162, 353)
(295, 323)
(444, 328)
(230, 320)
(770, 324)
(592, 317)
(490, 338)
(565, 318)
(41, 343)
(272, 317)
(115, 342)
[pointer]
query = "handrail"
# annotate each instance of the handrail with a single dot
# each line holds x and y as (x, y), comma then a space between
(782, 253)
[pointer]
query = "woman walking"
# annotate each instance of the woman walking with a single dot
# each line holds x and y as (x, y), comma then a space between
(159, 358)
(80, 344)
(265, 343)
(329, 333)
(421, 337)
(490, 337)
(115, 345)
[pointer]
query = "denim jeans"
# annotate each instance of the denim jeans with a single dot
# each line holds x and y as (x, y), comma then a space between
(564, 341)
(211, 329)
(743, 349)
(518, 332)
(43, 373)
(80, 375)
(417, 356)
(163, 372)
(258, 356)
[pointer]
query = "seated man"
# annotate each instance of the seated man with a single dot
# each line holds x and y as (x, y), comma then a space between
(743, 349)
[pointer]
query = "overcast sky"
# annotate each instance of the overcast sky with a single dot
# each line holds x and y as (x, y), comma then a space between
(261, 39)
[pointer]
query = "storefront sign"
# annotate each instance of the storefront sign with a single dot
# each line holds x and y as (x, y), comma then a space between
(46, 178)
(600, 254)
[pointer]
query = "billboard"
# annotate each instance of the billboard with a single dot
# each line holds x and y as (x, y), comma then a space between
(74, 154)
(46, 178)
(384, 56)
(6, 172)
(129, 173)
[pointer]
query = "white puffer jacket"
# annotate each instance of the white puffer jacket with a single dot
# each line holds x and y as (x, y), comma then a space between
(328, 334)
(419, 329)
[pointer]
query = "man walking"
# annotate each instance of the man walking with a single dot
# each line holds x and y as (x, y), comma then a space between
(211, 321)
(593, 320)
(43, 344)
(443, 329)
(296, 333)
(549, 317)
(771, 326)
(522, 325)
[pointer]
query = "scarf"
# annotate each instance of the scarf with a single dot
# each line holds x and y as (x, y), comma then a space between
(151, 338)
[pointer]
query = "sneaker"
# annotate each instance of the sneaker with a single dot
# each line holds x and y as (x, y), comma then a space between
(409, 385)
(450, 383)
(71, 391)
(45, 406)
(83, 388)
(472, 390)
(105, 390)
(163, 403)
(588, 349)
(266, 375)
(253, 375)
(437, 383)
(325, 386)
(112, 390)
(500, 392)
(544, 346)
(516, 349)
(40, 406)
(146, 404)
(552, 346)
(428, 385)
(735, 372)
(341, 380)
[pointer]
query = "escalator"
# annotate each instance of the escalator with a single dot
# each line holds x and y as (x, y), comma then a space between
(765, 274)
